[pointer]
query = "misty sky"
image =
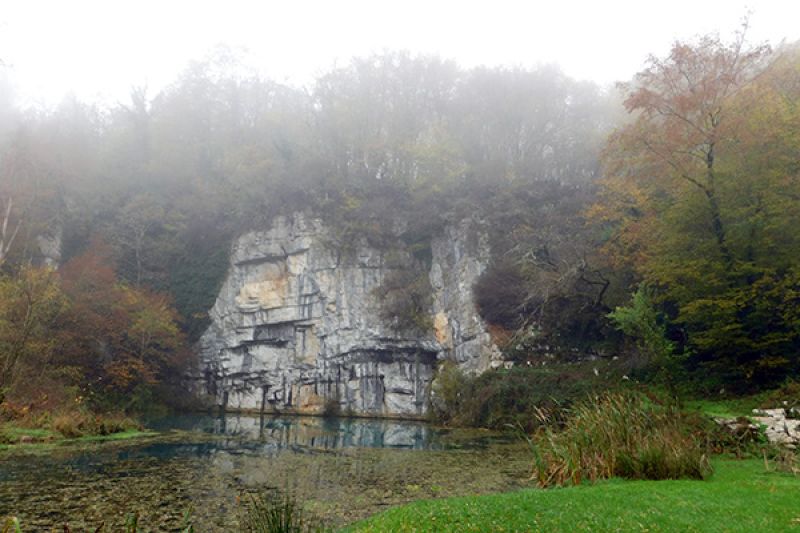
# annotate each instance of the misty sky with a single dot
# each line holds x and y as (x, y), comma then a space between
(99, 49)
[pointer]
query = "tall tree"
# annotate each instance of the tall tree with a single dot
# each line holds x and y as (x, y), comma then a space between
(683, 105)
(694, 215)
(30, 304)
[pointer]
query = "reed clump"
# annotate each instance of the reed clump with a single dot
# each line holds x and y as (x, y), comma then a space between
(627, 435)
(277, 512)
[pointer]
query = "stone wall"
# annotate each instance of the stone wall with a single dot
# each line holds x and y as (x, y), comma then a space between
(296, 326)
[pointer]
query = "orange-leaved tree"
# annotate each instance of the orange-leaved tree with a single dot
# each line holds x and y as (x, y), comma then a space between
(122, 339)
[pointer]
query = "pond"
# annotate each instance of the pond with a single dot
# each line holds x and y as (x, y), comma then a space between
(342, 469)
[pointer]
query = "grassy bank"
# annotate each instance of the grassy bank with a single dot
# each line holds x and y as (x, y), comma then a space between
(30, 426)
(23, 439)
(740, 496)
(787, 396)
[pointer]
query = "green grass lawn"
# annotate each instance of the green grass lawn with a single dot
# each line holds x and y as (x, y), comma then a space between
(724, 408)
(740, 496)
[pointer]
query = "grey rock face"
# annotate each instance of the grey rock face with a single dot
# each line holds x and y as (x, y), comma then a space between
(460, 256)
(297, 327)
(49, 245)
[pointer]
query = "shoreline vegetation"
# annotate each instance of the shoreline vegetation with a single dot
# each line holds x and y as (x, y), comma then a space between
(613, 479)
(23, 440)
(44, 429)
(24, 429)
(25, 435)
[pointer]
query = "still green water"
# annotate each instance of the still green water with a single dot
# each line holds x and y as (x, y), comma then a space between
(342, 469)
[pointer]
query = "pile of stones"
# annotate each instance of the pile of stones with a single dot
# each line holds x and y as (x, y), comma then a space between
(782, 426)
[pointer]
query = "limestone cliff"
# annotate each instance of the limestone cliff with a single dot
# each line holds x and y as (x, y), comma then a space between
(297, 327)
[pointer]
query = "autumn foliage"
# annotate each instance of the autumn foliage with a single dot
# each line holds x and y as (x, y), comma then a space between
(700, 198)
(670, 241)
(82, 328)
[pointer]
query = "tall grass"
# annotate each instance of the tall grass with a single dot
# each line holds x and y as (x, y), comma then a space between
(81, 422)
(277, 512)
(620, 435)
(11, 525)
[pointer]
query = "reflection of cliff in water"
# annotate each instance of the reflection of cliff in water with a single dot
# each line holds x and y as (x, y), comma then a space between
(310, 432)
(212, 464)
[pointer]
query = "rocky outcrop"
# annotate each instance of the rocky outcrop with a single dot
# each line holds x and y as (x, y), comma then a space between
(781, 426)
(49, 246)
(459, 257)
(297, 327)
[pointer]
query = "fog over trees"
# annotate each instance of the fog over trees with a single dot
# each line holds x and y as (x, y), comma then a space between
(690, 197)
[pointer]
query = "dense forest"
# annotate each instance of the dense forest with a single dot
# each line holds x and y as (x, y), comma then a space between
(655, 222)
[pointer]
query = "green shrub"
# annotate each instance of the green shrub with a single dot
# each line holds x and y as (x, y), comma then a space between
(641, 322)
(449, 392)
(516, 397)
(620, 435)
